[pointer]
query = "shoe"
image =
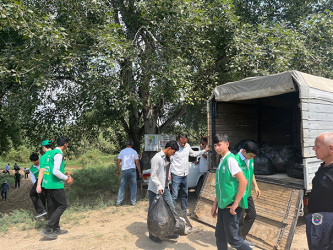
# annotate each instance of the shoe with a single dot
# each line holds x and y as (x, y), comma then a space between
(154, 238)
(118, 205)
(173, 237)
(49, 235)
(60, 231)
(250, 243)
(41, 214)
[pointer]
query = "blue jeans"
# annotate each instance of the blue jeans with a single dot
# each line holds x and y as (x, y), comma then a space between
(167, 197)
(227, 230)
(127, 175)
(179, 184)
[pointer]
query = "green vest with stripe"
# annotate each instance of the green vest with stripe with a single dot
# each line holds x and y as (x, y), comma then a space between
(42, 159)
(50, 181)
(248, 172)
(34, 171)
(226, 186)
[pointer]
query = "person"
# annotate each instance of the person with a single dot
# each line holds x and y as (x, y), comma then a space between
(129, 159)
(38, 200)
(245, 160)
(16, 167)
(26, 172)
(7, 169)
(180, 169)
(17, 178)
(54, 177)
(160, 178)
(319, 221)
(230, 200)
(4, 190)
(203, 165)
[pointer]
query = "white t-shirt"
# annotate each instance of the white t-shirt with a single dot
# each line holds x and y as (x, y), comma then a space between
(128, 157)
(203, 164)
(232, 165)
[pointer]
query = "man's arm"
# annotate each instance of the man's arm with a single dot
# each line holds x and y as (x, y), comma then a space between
(32, 177)
(242, 182)
(137, 162)
(197, 153)
(214, 208)
(155, 165)
(256, 188)
(39, 181)
(118, 163)
(56, 170)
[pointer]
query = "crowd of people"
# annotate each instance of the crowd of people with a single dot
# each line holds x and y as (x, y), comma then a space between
(233, 205)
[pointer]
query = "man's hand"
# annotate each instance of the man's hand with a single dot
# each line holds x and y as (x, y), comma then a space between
(38, 189)
(213, 211)
(118, 172)
(160, 191)
(233, 207)
(257, 191)
(70, 180)
(207, 149)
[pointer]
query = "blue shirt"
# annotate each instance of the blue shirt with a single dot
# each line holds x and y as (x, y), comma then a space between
(4, 187)
(7, 167)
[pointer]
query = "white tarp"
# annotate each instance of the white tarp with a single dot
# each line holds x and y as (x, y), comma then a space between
(271, 85)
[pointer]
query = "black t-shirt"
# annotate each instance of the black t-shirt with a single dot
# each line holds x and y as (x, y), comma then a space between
(321, 197)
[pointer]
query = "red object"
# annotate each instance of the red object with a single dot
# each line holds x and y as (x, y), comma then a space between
(306, 201)
(146, 176)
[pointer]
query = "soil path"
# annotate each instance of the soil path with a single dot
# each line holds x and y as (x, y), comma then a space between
(110, 228)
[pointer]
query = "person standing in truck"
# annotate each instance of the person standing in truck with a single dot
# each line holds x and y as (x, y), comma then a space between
(230, 200)
(245, 160)
(319, 223)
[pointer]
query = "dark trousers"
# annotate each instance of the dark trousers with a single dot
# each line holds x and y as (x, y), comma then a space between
(320, 236)
(17, 183)
(57, 198)
(226, 231)
(246, 222)
(26, 175)
(38, 199)
(4, 195)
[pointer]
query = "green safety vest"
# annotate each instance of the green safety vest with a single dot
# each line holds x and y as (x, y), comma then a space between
(42, 159)
(248, 172)
(34, 171)
(50, 181)
(226, 186)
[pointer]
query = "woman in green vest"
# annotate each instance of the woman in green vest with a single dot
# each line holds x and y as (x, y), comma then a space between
(230, 197)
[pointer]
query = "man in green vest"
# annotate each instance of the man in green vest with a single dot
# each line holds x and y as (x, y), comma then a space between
(38, 200)
(245, 160)
(53, 182)
(230, 187)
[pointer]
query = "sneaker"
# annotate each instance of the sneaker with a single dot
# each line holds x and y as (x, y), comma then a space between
(173, 237)
(154, 238)
(60, 231)
(49, 235)
(41, 214)
(250, 243)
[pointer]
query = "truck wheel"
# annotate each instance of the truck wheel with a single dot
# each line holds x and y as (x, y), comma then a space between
(199, 186)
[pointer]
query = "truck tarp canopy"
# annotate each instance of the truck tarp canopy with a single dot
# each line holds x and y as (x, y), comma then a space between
(271, 85)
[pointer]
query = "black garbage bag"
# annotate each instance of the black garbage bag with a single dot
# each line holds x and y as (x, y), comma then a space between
(161, 221)
(296, 171)
(277, 160)
(263, 165)
(183, 225)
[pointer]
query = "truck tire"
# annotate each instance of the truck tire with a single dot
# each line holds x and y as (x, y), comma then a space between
(199, 186)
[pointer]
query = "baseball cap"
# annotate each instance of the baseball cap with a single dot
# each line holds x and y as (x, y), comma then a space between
(46, 142)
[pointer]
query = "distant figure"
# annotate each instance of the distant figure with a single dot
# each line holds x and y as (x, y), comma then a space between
(129, 159)
(203, 158)
(17, 178)
(26, 172)
(4, 190)
(7, 169)
(16, 167)
(319, 223)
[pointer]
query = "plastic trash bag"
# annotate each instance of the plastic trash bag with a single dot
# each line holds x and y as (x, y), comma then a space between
(183, 225)
(161, 221)
(263, 165)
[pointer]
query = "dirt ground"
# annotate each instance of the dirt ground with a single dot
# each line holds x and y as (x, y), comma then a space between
(110, 228)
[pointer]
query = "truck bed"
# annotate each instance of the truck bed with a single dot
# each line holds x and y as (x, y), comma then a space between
(281, 179)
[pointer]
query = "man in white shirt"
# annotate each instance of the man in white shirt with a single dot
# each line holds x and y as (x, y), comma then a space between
(180, 169)
(129, 159)
(203, 158)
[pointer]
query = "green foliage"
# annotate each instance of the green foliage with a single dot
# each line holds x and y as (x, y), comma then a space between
(20, 155)
(91, 182)
(23, 218)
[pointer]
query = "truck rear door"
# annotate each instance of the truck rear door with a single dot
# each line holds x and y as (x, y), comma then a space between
(277, 212)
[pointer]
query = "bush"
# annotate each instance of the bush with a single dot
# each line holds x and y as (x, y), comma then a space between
(93, 182)
(20, 217)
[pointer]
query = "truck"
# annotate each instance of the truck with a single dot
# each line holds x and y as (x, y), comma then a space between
(288, 109)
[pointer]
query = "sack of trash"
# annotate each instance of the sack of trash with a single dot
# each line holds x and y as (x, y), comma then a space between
(183, 225)
(161, 221)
